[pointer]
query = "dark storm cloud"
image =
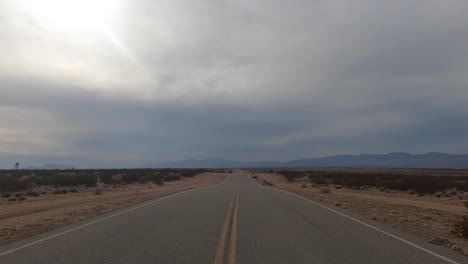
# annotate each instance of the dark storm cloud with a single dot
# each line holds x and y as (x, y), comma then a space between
(248, 80)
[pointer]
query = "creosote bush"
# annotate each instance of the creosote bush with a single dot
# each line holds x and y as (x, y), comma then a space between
(461, 225)
(16, 181)
(417, 183)
(291, 175)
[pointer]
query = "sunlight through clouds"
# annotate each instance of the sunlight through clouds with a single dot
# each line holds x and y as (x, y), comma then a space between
(238, 79)
(73, 42)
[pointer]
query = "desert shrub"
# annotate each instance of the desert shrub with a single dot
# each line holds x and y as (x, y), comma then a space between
(348, 179)
(291, 175)
(142, 179)
(108, 178)
(318, 180)
(87, 180)
(142, 176)
(33, 193)
(322, 177)
(267, 183)
(418, 183)
(425, 184)
(130, 176)
(355, 181)
(18, 194)
(22, 198)
(73, 190)
(190, 172)
(159, 181)
(6, 195)
(325, 190)
(157, 178)
(66, 179)
(255, 177)
(98, 191)
(13, 182)
(172, 177)
(461, 224)
(304, 186)
(461, 227)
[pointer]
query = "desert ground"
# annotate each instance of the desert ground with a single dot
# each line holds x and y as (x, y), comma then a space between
(431, 217)
(234, 221)
(54, 208)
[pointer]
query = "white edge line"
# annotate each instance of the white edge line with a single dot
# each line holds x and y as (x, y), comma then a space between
(108, 217)
(370, 226)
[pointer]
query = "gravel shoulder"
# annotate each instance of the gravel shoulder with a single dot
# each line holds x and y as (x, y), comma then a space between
(427, 216)
(34, 215)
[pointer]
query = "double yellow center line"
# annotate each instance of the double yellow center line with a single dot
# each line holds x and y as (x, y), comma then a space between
(231, 217)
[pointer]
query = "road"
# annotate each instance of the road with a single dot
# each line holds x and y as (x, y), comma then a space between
(235, 221)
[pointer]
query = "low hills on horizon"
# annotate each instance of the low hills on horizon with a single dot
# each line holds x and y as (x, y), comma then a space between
(432, 160)
(391, 160)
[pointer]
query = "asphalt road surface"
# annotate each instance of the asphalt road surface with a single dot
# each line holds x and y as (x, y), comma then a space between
(235, 221)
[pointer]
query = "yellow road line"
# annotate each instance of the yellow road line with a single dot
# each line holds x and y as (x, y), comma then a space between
(233, 242)
(222, 238)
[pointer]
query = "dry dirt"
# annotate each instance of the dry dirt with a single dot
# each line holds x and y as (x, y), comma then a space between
(38, 214)
(427, 216)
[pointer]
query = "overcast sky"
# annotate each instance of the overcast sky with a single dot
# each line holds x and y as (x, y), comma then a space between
(133, 82)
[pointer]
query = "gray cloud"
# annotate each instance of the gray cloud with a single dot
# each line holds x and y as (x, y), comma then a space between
(247, 80)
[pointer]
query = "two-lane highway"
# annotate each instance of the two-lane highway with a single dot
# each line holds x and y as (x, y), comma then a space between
(236, 221)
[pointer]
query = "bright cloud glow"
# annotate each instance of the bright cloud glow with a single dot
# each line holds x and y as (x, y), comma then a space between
(71, 42)
(155, 80)
(72, 14)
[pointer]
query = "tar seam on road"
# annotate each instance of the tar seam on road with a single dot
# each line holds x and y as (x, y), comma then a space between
(233, 242)
(372, 227)
(223, 236)
(108, 217)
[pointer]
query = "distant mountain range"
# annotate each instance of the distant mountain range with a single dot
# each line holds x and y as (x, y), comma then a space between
(50, 167)
(391, 160)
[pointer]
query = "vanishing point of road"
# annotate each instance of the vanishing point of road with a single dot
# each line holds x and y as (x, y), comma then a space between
(235, 221)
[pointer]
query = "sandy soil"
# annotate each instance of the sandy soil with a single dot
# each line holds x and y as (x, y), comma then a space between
(38, 214)
(427, 216)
